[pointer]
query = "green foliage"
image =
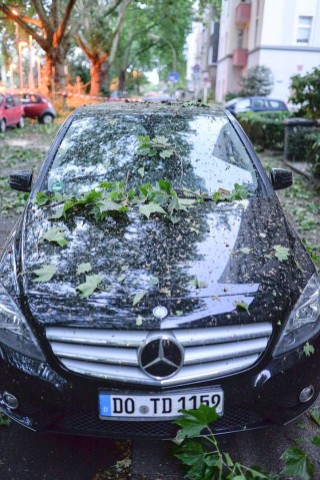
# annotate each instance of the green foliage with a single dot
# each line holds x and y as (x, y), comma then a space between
(57, 235)
(45, 273)
(265, 129)
(159, 145)
(89, 286)
(258, 81)
(4, 420)
(200, 453)
(315, 415)
(308, 349)
(297, 463)
(281, 253)
(306, 93)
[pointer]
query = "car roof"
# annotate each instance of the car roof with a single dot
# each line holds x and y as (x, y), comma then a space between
(147, 108)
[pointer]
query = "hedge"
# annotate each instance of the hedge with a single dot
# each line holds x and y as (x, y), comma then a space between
(265, 129)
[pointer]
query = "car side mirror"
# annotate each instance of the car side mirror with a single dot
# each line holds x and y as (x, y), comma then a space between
(21, 181)
(280, 178)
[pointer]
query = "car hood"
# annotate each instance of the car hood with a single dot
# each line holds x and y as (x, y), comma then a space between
(219, 263)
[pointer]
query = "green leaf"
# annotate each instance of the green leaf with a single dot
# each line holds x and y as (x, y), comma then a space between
(316, 441)
(154, 281)
(151, 208)
(89, 286)
(315, 415)
(138, 297)
(4, 420)
(165, 186)
(245, 250)
(56, 235)
(41, 199)
(110, 206)
(297, 463)
(281, 253)
(308, 349)
(166, 153)
(141, 172)
(84, 268)
(139, 320)
(45, 273)
(194, 421)
(242, 306)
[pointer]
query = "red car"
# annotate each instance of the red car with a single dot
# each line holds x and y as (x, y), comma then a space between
(38, 106)
(11, 112)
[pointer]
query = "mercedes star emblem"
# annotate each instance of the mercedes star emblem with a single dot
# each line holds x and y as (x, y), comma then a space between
(161, 357)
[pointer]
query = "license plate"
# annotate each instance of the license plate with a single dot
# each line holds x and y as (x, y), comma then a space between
(157, 407)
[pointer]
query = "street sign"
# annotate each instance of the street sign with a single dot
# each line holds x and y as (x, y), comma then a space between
(173, 77)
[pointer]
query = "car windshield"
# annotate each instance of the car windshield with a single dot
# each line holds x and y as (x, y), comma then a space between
(196, 153)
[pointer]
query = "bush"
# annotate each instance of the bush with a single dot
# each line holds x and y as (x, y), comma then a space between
(265, 129)
(258, 81)
(307, 93)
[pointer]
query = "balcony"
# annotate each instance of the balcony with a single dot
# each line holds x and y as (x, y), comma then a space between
(243, 12)
(239, 57)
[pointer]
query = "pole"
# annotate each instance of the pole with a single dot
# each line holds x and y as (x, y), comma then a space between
(31, 79)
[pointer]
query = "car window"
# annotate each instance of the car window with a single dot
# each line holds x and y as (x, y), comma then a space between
(200, 153)
(242, 105)
(16, 100)
(259, 103)
(276, 104)
(9, 102)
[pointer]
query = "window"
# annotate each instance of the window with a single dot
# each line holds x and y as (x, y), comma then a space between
(304, 30)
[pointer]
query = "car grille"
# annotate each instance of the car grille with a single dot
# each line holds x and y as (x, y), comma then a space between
(113, 354)
(82, 422)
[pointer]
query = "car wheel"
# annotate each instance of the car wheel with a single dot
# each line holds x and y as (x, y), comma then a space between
(3, 126)
(20, 124)
(46, 118)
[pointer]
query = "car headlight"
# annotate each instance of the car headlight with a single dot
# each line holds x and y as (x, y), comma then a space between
(15, 332)
(304, 321)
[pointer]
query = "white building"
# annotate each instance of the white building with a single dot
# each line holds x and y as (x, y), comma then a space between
(284, 35)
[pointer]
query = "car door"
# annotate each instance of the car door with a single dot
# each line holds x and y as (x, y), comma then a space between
(11, 112)
(33, 106)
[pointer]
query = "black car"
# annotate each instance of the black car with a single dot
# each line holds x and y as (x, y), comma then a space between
(255, 104)
(153, 270)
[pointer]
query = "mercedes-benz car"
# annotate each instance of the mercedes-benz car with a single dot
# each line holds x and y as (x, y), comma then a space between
(153, 270)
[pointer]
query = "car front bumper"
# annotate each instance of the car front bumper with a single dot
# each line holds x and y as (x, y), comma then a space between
(61, 401)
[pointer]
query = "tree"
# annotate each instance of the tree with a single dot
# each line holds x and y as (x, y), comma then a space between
(48, 22)
(306, 93)
(257, 81)
(99, 37)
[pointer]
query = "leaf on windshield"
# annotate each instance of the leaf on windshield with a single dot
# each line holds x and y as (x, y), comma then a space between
(45, 273)
(56, 235)
(89, 286)
(84, 268)
(150, 208)
(281, 253)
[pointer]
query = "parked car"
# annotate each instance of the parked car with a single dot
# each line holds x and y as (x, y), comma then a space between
(255, 104)
(11, 112)
(152, 270)
(38, 106)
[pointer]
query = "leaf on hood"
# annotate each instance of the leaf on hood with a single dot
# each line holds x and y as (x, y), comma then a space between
(45, 273)
(56, 234)
(242, 306)
(138, 297)
(84, 268)
(89, 286)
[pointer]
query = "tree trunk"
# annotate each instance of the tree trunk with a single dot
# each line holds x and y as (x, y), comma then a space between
(122, 80)
(55, 69)
(104, 77)
(95, 78)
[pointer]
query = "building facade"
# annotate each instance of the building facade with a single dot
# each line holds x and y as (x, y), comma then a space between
(202, 54)
(283, 35)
